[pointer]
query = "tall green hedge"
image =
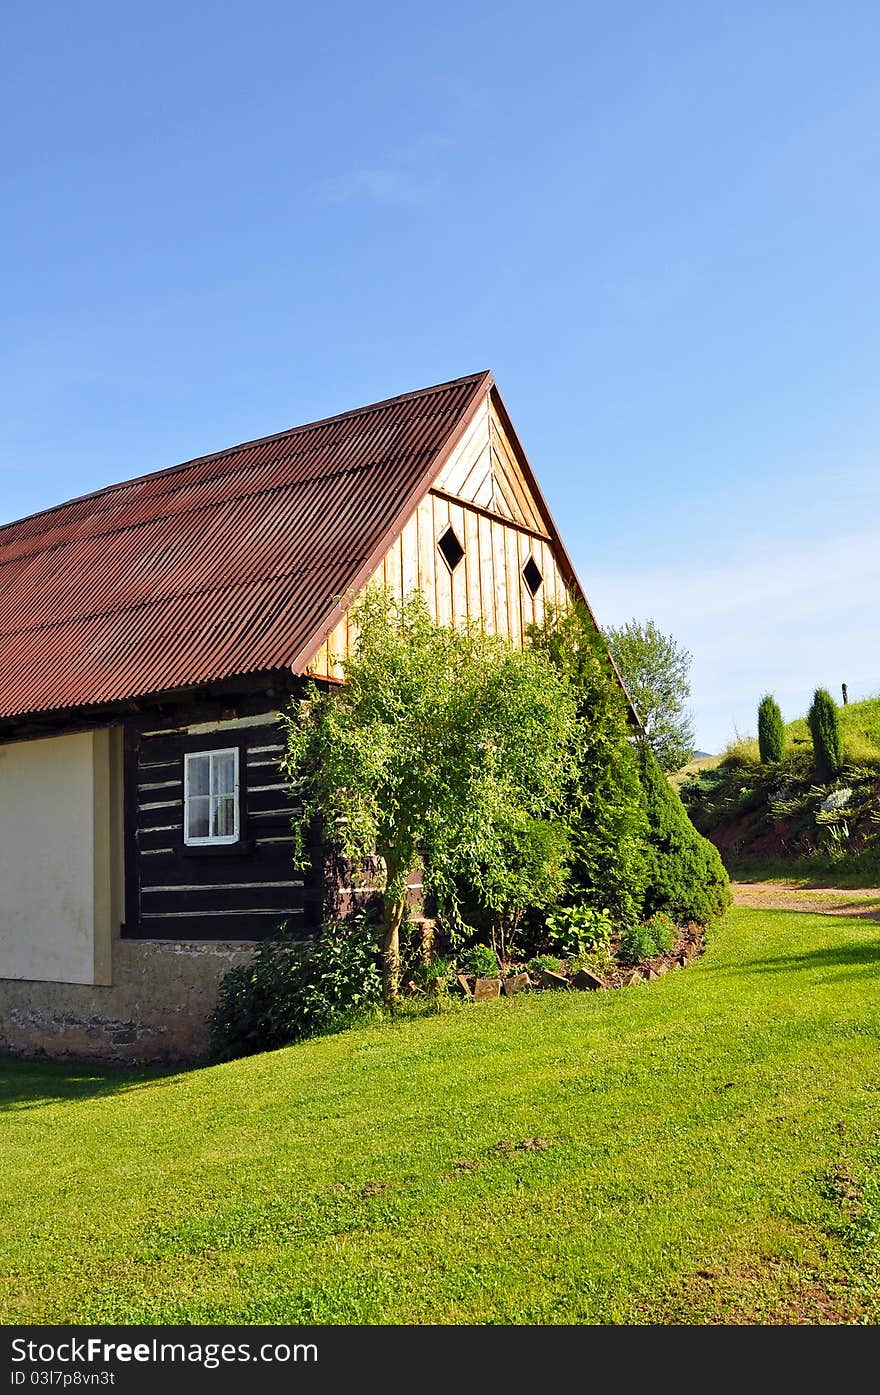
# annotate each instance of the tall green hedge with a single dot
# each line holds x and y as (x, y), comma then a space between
(771, 730)
(605, 807)
(824, 727)
(685, 874)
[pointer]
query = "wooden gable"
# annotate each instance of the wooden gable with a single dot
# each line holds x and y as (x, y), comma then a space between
(483, 492)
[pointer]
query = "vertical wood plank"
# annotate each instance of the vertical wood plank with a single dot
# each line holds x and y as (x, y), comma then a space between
(427, 549)
(410, 557)
(515, 587)
(444, 577)
(499, 563)
(472, 565)
(457, 518)
(530, 614)
(487, 574)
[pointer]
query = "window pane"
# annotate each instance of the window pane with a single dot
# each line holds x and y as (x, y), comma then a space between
(224, 773)
(198, 771)
(197, 816)
(223, 817)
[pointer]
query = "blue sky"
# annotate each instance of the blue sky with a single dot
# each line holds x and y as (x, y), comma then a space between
(657, 224)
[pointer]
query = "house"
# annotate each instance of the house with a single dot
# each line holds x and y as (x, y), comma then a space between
(149, 635)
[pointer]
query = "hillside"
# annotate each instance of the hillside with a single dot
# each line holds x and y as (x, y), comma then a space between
(782, 811)
(593, 1158)
(859, 728)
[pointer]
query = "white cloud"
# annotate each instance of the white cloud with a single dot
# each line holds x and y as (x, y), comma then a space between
(784, 618)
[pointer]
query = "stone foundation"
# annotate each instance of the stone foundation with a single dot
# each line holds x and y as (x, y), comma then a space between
(154, 1010)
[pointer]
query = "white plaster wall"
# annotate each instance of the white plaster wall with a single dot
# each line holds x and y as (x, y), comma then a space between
(56, 885)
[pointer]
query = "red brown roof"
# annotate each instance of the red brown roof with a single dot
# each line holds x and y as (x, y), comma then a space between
(220, 567)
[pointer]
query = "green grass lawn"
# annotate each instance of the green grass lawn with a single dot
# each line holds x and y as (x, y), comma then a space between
(707, 1150)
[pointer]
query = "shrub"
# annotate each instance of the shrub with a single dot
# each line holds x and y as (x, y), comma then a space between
(482, 961)
(741, 753)
(287, 991)
(577, 930)
(685, 875)
(529, 875)
(605, 808)
(771, 730)
(436, 976)
(642, 941)
(824, 725)
(545, 961)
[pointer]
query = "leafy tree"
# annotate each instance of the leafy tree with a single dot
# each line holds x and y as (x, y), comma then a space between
(438, 742)
(824, 725)
(605, 806)
(656, 671)
(771, 730)
(530, 875)
(685, 875)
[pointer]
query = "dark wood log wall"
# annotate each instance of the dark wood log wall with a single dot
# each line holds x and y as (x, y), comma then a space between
(239, 891)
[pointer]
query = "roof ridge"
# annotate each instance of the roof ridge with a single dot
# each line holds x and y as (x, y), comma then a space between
(243, 445)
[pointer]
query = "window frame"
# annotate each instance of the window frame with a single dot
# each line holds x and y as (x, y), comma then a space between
(221, 839)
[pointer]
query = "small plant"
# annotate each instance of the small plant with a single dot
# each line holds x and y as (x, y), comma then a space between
(771, 731)
(481, 961)
(576, 930)
(436, 976)
(601, 962)
(545, 961)
(642, 941)
(824, 725)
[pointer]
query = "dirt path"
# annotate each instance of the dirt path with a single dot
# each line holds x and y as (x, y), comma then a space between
(822, 900)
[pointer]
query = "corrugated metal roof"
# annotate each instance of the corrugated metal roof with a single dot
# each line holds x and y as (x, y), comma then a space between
(223, 566)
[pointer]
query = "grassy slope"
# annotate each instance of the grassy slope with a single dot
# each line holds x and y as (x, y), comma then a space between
(695, 1123)
(859, 729)
(859, 726)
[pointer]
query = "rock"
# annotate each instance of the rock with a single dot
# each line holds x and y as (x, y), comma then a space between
(631, 978)
(486, 988)
(661, 969)
(517, 983)
(586, 981)
(551, 980)
(464, 984)
(650, 973)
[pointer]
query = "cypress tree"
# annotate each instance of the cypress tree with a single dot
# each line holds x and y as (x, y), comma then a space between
(771, 730)
(825, 730)
(686, 877)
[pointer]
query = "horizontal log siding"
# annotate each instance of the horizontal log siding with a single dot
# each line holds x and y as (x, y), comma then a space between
(242, 891)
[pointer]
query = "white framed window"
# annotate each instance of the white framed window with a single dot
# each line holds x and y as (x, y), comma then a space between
(210, 797)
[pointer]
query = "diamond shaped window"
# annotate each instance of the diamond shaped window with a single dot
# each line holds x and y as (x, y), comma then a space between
(532, 577)
(451, 549)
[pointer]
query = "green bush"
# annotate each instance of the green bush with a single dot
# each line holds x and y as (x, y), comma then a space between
(605, 809)
(545, 961)
(685, 875)
(437, 975)
(771, 730)
(577, 930)
(824, 727)
(287, 991)
(482, 961)
(642, 941)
